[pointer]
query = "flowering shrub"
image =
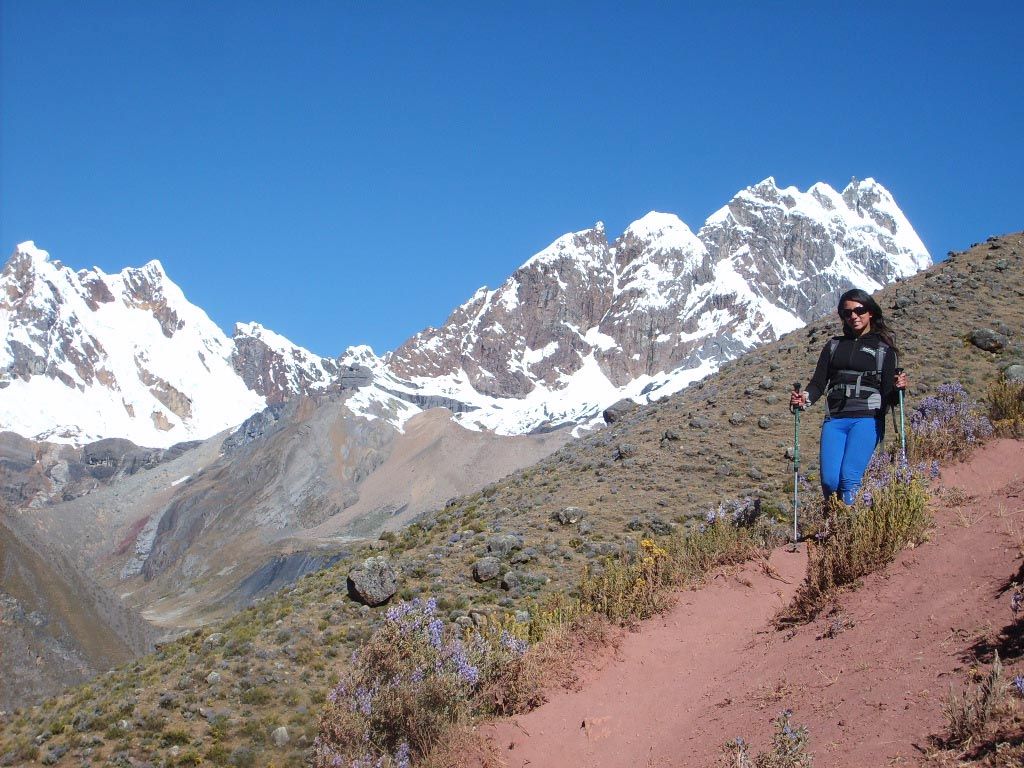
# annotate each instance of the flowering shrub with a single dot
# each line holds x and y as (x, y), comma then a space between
(946, 425)
(629, 589)
(408, 685)
(848, 542)
(789, 748)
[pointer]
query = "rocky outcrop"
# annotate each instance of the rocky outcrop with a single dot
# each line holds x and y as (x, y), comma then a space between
(34, 474)
(275, 368)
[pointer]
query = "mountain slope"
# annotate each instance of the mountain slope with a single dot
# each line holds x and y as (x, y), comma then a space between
(688, 452)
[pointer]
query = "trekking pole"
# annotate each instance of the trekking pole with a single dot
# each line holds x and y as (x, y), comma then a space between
(796, 461)
(903, 431)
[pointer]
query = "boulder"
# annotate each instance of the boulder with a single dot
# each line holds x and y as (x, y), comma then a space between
(615, 412)
(373, 582)
(1014, 372)
(279, 736)
(501, 545)
(987, 339)
(486, 568)
(569, 515)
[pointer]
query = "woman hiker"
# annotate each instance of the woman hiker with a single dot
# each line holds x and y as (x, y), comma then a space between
(857, 374)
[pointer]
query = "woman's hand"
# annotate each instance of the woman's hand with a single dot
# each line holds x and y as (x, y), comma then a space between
(901, 380)
(798, 399)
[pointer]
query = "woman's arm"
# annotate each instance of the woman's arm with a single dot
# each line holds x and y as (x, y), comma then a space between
(820, 378)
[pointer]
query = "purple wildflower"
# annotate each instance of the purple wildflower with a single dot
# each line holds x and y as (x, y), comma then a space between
(1017, 602)
(436, 630)
(513, 643)
(1018, 683)
(402, 759)
(364, 700)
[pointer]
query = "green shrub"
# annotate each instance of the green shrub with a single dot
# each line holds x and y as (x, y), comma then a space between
(970, 713)
(853, 541)
(789, 748)
(627, 589)
(1005, 403)
(411, 683)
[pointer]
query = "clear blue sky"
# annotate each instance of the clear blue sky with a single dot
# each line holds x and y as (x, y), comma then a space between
(349, 172)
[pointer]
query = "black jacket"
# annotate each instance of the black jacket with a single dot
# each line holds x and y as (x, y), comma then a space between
(854, 354)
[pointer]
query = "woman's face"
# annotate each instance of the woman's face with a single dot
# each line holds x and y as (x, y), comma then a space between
(855, 316)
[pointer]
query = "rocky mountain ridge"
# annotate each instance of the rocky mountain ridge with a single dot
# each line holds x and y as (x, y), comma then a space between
(580, 325)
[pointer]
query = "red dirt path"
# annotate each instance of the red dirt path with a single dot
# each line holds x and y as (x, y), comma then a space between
(870, 691)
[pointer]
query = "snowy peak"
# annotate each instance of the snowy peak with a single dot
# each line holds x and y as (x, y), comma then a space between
(275, 368)
(579, 325)
(84, 355)
(660, 305)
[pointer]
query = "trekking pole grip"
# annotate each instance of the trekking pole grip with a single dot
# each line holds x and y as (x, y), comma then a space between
(796, 388)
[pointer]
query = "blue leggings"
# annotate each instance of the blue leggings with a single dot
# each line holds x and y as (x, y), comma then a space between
(846, 448)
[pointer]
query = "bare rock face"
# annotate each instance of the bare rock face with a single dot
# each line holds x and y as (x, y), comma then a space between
(527, 330)
(35, 474)
(276, 368)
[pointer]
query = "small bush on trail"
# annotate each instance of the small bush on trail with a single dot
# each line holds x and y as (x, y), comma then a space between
(1005, 402)
(852, 541)
(626, 590)
(789, 748)
(412, 682)
(945, 426)
(969, 713)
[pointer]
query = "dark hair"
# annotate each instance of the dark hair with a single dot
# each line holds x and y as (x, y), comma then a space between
(878, 324)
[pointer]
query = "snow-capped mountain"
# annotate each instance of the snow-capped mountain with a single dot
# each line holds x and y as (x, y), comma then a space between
(585, 321)
(581, 324)
(86, 355)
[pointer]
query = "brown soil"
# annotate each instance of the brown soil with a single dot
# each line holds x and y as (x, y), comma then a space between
(869, 679)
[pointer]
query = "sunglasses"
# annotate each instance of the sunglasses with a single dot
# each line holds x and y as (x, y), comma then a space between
(846, 314)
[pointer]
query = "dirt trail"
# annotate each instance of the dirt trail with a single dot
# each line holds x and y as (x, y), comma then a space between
(868, 681)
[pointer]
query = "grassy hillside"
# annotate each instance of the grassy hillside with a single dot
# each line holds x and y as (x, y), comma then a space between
(220, 695)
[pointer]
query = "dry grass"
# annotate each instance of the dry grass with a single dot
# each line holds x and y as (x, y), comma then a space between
(856, 541)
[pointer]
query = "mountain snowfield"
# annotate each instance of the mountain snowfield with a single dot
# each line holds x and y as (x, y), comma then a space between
(580, 325)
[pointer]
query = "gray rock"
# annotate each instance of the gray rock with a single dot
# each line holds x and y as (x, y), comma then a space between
(767, 383)
(510, 581)
(626, 451)
(764, 422)
(569, 515)
(486, 568)
(736, 418)
(1014, 372)
(503, 544)
(700, 422)
(213, 678)
(615, 412)
(279, 736)
(987, 339)
(373, 582)
(54, 755)
(524, 556)
(670, 434)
